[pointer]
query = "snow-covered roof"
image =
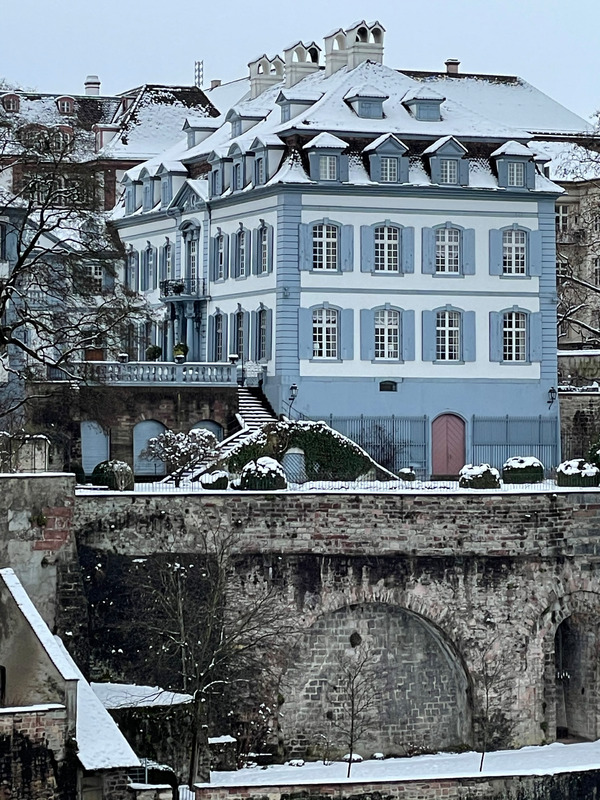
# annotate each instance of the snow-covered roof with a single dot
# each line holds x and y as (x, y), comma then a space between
(326, 140)
(512, 148)
(569, 162)
(433, 148)
(365, 90)
(380, 140)
(422, 93)
(100, 743)
(127, 695)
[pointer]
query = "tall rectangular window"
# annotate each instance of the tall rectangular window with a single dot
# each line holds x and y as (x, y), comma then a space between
(325, 247)
(220, 274)
(562, 217)
(192, 259)
(325, 333)
(514, 336)
(327, 168)
(516, 173)
(219, 337)
(2, 242)
(387, 334)
(387, 240)
(239, 334)
(447, 250)
(168, 262)
(514, 252)
(447, 336)
(260, 170)
(241, 254)
(261, 334)
(449, 170)
(389, 169)
(95, 274)
(263, 244)
(596, 267)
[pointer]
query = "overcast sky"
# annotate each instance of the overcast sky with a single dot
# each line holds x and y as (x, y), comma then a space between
(51, 45)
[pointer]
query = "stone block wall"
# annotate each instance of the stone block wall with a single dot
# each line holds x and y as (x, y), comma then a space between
(579, 422)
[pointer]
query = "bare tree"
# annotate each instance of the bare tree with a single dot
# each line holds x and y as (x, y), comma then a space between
(492, 672)
(212, 634)
(182, 451)
(59, 291)
(354, 694)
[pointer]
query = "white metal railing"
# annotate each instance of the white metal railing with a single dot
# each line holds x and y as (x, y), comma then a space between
(147, 372)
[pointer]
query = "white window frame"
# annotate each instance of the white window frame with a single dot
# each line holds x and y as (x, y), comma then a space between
(242, 253)
(260, 171)
(448, 246)
(325, 332)
(514, 252)
(514, 336)
(220, 272)
(449, 171)
(261, 335)
(65, 106)
(95, 273)
(263, 250)
(219, 337)
(562, 217)
(192, 261)
(387, 335)
(168, 261)
(448, 331)
(239, 334)
(325, 247)
(389, 169)
(328, 168)
(387, 249)
(516, 174)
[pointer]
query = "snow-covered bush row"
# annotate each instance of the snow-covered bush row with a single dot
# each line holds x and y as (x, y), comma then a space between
(113, 474)
(480, 476)
(219, 479)
(523, 469)
(264, 474)
(577, 472)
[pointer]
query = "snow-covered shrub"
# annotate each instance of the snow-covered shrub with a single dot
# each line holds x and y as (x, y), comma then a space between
(354, 757)
(114, 474)
(577, 472)
(265, 474)
(594, 453)
(479, 476)
(523, 469)
(296, 762)
(378, 756)
(181, 451)
(407, 474)
(218, 479)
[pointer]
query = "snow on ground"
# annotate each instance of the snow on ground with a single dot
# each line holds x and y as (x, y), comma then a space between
(548, 760)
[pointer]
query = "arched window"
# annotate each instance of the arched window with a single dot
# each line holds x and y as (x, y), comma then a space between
(325, 333)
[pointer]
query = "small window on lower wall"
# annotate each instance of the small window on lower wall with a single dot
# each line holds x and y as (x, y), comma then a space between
(388, 386)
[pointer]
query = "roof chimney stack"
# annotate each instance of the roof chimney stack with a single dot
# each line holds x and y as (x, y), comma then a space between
(215, 83)
(452, 65)
(92, 85)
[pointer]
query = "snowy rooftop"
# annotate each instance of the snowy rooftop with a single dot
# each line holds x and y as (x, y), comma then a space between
(126, 695)
(548, 760)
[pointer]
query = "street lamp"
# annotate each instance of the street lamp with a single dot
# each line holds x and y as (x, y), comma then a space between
(551, 396)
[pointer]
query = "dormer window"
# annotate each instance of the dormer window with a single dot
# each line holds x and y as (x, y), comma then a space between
(260, 171)
(516, 173)
(366, 101)
(427, 112)
(237, 177)
(11, 102)
(286, 112)
(328, 168)
(389, 169)
(66, 105)
(425, 103)
(236, 128)
(449, 171)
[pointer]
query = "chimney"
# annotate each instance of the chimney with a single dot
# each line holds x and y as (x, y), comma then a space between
(265, 72)
(336, 56)
(92, 85)
(452, 65)
(364, 42)
(215, 83)
(300, 60)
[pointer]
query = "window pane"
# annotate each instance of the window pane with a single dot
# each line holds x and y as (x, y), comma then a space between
(514, 252)
(327, 168)
(447, 250)
(447, 336)
(387, 334)
(325, 247)
(386, 249)
(325, 333)
(389, 169)
(514, 336)
(448, 170)
(516, 173)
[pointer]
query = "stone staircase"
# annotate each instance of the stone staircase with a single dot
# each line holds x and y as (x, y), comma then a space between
(252, 415)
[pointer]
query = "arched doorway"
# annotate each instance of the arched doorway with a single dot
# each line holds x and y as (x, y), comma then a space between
(95, 445)
(447, 446)
(422, 692)
(576, 648)
(142, 433)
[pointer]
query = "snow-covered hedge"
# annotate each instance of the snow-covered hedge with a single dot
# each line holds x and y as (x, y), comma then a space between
(479, 476)
(265, 474)
(523, 469)
(114, 474)
(218, 479)
(407, 474)
(577, 472)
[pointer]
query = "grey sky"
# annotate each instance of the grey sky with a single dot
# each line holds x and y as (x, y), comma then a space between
(55, 43)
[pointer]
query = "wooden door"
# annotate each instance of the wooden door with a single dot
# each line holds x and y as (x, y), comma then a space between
(447, 445)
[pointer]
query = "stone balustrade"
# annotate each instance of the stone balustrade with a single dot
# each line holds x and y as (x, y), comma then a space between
(148, 373)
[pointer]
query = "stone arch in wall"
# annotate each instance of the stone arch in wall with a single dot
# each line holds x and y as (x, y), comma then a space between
(424, 694)
(209, 425)
(572, 666)
(142, 432)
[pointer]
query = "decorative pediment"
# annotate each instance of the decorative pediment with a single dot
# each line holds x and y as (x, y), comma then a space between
(189, 197)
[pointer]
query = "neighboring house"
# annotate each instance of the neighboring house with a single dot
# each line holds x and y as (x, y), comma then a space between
(381, 239)
(56, 738)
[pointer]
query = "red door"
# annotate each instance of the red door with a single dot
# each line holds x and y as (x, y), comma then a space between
(447, 445)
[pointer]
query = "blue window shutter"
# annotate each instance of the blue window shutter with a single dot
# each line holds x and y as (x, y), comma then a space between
(535, 337)
(212, 257)
(375, 166)
(253, 350)
(269, 337)
(225, 338)
(232, 333)
(495, 252)
(246, 324)
(469, 336)
(255, 251)
(305, 247)
(502, 167)
(367, 334)
(234, 255)
(428, 254)
(269, 248)
(408, 335)
(407, 265)
(496, 341)
(211, 338)
(530, 175)
(347, 334)
(367, 248)
(535, 253)
(428, 334)
(434, 166)
(305, 333)
(343, 168)
(347, 248)
(468, 251)
(463, 171)
(155, 267)
(163, 263)
(403, 169)
(108, 279)
(225, 256)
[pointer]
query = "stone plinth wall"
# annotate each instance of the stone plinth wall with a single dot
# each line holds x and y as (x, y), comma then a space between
(568, 786)
(579, 422)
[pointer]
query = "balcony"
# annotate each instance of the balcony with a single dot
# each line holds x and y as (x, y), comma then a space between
(183, 288)
(147, 373)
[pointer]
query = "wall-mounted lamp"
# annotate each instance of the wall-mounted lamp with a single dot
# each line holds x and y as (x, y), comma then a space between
(293, 395)
(285, 292)
(551, 396)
